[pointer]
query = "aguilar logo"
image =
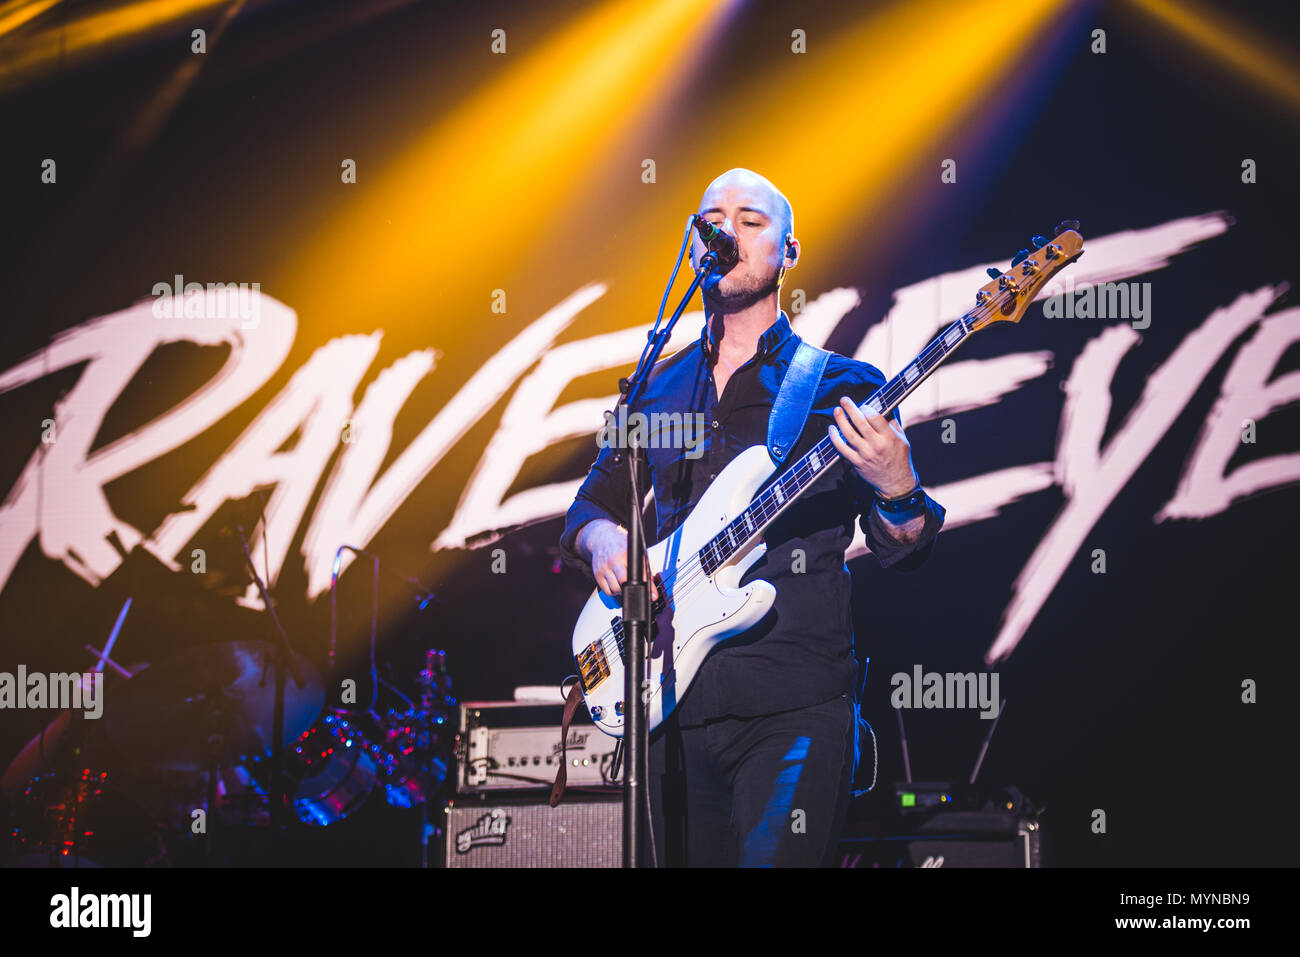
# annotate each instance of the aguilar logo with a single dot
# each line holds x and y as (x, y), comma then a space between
(490, 829)
(577, 740)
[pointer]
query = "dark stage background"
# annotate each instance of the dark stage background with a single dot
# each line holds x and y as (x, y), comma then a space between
(519, 178)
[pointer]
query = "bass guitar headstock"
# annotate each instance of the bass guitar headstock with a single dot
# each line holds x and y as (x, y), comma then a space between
(1008, 294)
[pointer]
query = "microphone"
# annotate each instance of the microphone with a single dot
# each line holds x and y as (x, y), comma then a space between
(720, 243)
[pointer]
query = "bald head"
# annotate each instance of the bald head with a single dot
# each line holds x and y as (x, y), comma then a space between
(759, 215)
(775, 204)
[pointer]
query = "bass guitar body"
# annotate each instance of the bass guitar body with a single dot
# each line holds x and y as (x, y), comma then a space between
(694, 611)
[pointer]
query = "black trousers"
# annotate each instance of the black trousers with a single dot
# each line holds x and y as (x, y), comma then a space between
(753, 792)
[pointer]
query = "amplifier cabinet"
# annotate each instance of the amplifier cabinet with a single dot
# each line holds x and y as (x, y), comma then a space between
(945, 839)
(586, 830)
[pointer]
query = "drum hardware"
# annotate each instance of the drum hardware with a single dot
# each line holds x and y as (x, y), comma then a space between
(206, 704)
(198, 731)
(344, 756)
(66, 810)
(69, 817)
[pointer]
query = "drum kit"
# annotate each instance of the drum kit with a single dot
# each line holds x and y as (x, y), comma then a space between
(185, 754)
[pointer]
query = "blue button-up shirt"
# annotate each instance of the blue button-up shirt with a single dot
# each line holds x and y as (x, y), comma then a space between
(801, 653)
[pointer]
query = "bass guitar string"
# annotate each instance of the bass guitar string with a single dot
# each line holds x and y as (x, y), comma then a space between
(693, 568)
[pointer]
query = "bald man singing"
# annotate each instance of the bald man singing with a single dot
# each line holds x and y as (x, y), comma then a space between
(754, 766)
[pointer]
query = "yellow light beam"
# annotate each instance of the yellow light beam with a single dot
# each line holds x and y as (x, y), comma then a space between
(17, 12)
(841, 129)
(86, 34)
(1229, 43)
(851, 124)
(506, 159)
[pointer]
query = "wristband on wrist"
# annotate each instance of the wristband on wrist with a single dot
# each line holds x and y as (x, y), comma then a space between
(904, 507)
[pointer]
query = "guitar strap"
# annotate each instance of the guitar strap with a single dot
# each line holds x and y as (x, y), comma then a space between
(571, 705)
(784, 426)
(794, 400)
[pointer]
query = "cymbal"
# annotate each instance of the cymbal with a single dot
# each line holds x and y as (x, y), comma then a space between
(210, 703)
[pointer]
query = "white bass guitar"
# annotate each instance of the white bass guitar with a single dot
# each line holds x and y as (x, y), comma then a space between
(698, 568)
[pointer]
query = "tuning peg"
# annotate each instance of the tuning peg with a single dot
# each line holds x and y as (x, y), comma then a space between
(994, 272)
(1039, 241)
(1020, 257)
(1065, 224)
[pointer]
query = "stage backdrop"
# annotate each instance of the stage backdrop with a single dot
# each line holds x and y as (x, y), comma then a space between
(440, 233)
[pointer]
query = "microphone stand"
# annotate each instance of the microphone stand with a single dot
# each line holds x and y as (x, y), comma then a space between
(424, 596)
(281, 659)
(637, 612)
